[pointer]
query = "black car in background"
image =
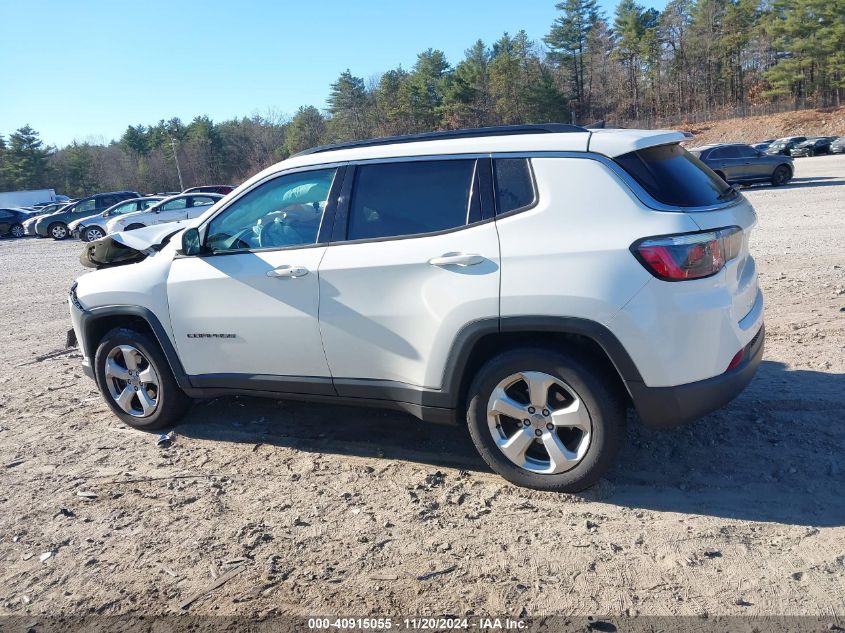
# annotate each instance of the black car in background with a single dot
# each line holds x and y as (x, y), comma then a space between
(812, 147)
(784, 145)
(838, 146)
(739, 163)
(11, 222)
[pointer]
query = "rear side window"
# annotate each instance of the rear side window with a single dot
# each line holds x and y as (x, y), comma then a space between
(514, 185)
(675, 177)
(409, 198)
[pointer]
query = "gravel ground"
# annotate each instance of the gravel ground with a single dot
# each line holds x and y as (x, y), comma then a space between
(332, 510)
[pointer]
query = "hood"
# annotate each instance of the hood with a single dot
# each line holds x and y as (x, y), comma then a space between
(128, 247)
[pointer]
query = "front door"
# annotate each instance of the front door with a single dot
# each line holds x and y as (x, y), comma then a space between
(245, 313)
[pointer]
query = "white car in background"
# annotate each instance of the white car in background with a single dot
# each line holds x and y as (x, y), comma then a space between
(180, 207)
(93, 227)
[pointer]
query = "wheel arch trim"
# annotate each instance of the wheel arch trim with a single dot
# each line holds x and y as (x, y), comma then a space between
(465, 343)
(92, 316)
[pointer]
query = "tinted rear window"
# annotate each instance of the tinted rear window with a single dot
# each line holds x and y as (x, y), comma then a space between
(675, 177)
(514, 185)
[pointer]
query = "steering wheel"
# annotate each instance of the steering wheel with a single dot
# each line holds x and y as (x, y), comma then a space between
(276, 233)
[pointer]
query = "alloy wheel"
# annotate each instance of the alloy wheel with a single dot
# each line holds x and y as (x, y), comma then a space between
(17, 231)
(92, 234)
(132, 381)
(539, 422)
(59, 232)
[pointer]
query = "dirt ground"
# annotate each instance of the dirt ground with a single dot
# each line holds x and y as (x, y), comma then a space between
(754, 129)
(343, 511)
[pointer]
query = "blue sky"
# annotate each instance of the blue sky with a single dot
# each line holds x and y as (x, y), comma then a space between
(85, 69)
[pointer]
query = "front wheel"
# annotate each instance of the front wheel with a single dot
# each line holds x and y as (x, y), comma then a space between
(92, 233)
(17, 230)
(545, 420)
(58, 231)
(136, 381)
(781, 175)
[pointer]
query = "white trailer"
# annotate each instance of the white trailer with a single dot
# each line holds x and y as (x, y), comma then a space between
(26, 198)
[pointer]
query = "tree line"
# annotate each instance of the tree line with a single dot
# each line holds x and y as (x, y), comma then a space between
(638, 65)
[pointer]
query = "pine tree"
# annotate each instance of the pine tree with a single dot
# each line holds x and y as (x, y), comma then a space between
(567, 42)
(307, 129)
(348, 104)
(26, 159)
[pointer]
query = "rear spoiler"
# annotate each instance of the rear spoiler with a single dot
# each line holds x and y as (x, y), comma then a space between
(615, 142)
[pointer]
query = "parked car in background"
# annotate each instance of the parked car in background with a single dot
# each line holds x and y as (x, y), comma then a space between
(29, 224)
(55, 225)
(180, 207)
(11, 221)
(784, 145)
(762, 146)
(94, 227)
(812, 147)
(221, 189)
(838, 146)
(739, 163)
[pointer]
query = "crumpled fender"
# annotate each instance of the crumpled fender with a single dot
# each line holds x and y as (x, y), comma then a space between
(128, 247)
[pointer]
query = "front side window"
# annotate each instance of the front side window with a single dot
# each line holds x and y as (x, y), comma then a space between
(673, 176)
(86, 206)
(746, 152)
(283, 212)
(126, 207)
(514, 185)
(175, 205)
(409, 198)
(202, 201)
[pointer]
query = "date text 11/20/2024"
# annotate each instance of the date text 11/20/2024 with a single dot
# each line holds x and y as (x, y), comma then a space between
(418, 624)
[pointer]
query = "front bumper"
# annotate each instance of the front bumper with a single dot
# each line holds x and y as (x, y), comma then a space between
(77, 315)
(667, 407)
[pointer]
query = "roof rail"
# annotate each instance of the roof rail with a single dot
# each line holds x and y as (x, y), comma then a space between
(498, 130)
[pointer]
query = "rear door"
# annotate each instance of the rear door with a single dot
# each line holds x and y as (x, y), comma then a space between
(171, 211)
(416, 259)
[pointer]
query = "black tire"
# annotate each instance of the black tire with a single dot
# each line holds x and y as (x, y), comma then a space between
(781, 175)
(58, 231)
(17, 230)
(604, 406)
(132, 227)
(722, 176)
(172, 403)
(86, 235)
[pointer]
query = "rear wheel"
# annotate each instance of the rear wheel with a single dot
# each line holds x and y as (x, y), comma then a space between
(58, 231)
(92, 233)
(17, 230)
(545, 420)
(781, 175)
(136, 381)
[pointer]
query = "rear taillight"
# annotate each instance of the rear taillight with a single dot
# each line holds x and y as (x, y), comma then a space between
(689, 256)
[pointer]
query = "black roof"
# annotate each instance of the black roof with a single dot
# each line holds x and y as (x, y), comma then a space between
(498, 130)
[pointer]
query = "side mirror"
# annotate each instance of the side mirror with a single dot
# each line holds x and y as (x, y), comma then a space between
(191, 243)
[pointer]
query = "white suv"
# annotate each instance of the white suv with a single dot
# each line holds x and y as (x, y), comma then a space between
(532, 281)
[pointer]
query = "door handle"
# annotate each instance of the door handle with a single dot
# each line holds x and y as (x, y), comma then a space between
(456, 259)
(288, 272)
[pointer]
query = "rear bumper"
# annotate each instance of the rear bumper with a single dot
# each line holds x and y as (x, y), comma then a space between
(667, 407)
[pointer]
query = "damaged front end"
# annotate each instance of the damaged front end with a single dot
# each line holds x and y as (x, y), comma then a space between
(128, 247)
